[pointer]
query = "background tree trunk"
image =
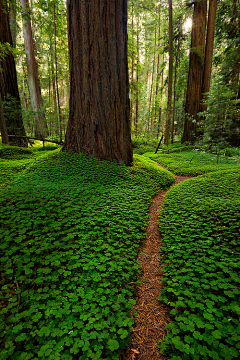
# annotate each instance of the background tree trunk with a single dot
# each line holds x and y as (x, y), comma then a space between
(99, 88)
(151, 89)
(40, 125)
(8, 83)
(158, 63)
(170, 75)
(13, 21)
(137, 78)
(3, 128)
(209, 49)
(132, 71)
(56, 68)
(195, 74)
(174, 92)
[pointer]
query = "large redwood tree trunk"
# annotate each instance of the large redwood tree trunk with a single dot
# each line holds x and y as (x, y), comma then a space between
(8, 84)
(195, 75)
(99, 121)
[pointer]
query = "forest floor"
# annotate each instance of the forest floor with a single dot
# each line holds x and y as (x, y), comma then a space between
(152, 315)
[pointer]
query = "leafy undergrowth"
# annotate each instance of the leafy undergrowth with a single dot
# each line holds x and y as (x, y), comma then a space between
(200, 224)
(176, 147)
(14, 153)
(20, 153)
(142, 149)
(138, 141)
(71, 227)
(194, 163)
(15, 160)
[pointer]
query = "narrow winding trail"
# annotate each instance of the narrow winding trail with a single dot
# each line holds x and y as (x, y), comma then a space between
(153, 315)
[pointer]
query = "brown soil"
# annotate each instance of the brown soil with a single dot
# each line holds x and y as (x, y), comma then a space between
(152, 315)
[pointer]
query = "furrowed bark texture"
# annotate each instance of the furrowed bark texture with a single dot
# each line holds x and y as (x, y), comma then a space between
(99, 121)
(195, 75)
(8, 83)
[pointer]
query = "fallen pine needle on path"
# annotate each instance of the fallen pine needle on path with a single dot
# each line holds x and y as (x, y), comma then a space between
(152, 315)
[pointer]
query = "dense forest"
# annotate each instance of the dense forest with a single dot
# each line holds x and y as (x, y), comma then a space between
(119, 179)
(183, 64)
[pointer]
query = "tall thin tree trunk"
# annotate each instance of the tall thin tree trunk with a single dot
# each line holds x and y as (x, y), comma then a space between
(25, 102)
(137, 78)
(212, 11)
(174, 104)
(132, 72)
(195, 74)
(54, 93)
(159, 121)
(49, 80)
(174, 92)
(49, 92)
(40, 125)
(151, 89)
(158, 62)
(170, 75)
(160, 107)
(56, 69)
(13, 21)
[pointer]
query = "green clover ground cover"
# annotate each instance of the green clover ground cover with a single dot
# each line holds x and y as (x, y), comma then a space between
(200, 224)
(142, 149)
(194, 163)
(15, 160)
(70, 230)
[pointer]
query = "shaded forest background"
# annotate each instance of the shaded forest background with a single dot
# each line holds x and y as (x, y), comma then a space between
(149, 42)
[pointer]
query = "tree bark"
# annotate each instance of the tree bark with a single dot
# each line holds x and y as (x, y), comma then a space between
(53, 78)
(151, 89)
(8, 83)
(25, 100)
(3, 127)
(13, 21)
(40, 126)
(195, 74)
(158, 63)
(132, 71)
(99, 121)
(160, 107)
(170, 75)
(137, 78)
(56, 68)
(174, 91)
(209, 49)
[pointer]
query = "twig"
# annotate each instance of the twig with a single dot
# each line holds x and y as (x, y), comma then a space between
(19, 294)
